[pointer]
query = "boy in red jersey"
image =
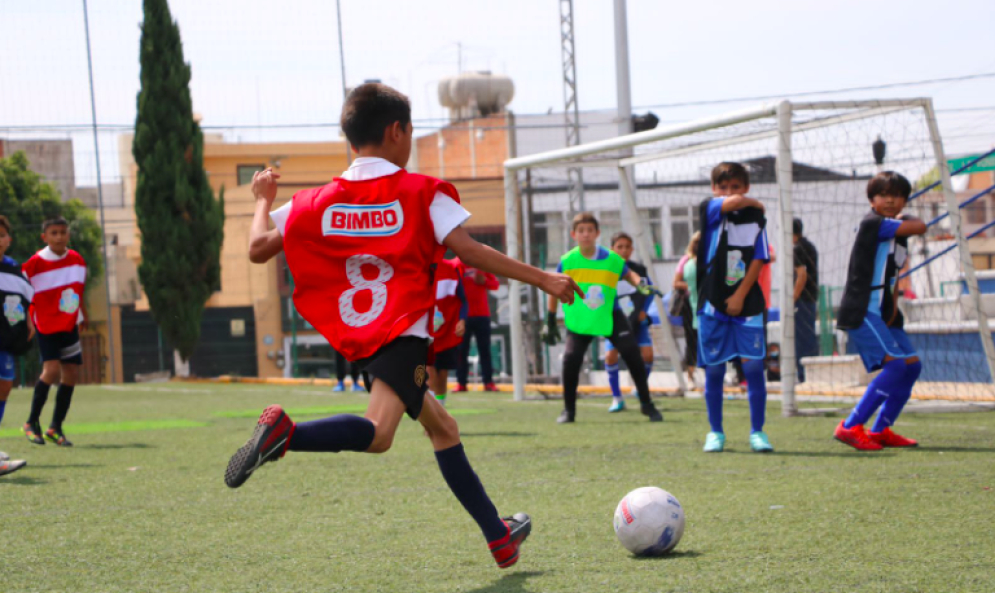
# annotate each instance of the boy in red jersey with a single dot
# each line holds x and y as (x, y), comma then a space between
(57, 275)
(477, 284)
(448, 326)
(363, 251)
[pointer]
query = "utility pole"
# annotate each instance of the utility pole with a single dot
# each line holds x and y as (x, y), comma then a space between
(624, 95)
(100, 200)
(571, 113)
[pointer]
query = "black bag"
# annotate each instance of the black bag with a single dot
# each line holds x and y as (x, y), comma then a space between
(679, 300)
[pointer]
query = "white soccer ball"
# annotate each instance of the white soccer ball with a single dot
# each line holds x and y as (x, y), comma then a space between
(649, 521)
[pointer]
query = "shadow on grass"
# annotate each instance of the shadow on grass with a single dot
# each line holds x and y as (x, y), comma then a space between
(63, 466)
(955, 449)
(670, 556)
(510, 583)
(509, 433)
(121, 446)
(22, 480)
(845, 453)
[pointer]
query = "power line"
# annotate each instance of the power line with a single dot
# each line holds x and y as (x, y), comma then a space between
(826, 92)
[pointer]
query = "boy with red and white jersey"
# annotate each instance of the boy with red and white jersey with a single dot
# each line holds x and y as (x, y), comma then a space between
(58, 275)
(363, 251)
(448, 326)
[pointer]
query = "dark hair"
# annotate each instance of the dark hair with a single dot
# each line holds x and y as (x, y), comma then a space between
(584, 217)
(5, 223)
(369, 109)
(888, 183)
(621, 235)
(730, 172)
(797, 227)
(57, 221)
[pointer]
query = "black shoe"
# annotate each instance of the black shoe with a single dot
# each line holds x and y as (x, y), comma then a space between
(506, 549)
(565, 417)
(269, 442)
(56, 436)
(651, 411)
(33, 432)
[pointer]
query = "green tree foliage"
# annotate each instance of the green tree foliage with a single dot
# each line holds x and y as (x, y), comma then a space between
(27, 201)
(182, 224)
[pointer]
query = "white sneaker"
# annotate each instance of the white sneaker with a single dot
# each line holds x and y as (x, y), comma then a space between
(4, 456)
(9, 467)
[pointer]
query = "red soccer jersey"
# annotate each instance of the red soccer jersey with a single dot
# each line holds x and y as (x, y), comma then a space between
(447, 305)
(58, 282)
(361, 253)
(476, 294)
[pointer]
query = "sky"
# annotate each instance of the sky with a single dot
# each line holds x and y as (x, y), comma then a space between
(269, 63)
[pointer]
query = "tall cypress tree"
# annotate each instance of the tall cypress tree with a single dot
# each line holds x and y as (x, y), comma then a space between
(182, 225)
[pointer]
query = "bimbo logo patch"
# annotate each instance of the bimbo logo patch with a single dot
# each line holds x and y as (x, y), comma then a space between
(351, 220)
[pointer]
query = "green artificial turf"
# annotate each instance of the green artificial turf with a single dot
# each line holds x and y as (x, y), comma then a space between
(140, 504)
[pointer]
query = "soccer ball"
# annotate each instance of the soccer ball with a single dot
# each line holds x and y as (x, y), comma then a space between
(649, 521)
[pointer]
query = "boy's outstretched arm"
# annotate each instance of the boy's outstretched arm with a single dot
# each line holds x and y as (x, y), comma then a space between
(477, 255)
(738, 202)
(910, 226)
(264, 243)
(734, 304)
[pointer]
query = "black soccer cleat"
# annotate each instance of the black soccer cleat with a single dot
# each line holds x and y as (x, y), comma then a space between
(651, 411)
(506, 550)
(269, 442)
(33, 433)
(566, 417)
(56, 436)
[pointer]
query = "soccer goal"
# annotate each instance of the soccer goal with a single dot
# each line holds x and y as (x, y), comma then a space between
(810, 160)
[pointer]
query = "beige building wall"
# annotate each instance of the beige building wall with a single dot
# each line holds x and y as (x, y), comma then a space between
(243, 284)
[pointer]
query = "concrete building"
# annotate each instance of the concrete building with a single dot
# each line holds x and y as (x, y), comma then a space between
(52, 159)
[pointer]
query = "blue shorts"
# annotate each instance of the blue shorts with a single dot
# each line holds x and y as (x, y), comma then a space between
(722, 338)
(874, 340)
(6, 366)
(642, 338)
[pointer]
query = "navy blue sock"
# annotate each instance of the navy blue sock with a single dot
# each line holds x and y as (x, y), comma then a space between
(714, 375)
(344, 432)
(3, 405)
(38, 401)
(613, 380)
(885, 385)
(894, 404)
(470, 492)
(756, 388)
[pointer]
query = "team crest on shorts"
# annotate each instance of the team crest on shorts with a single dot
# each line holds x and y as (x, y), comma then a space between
(69, 303)
(420, 374)
(369, 220)
(13, 310)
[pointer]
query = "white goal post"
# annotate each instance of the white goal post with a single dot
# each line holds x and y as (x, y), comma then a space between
(775, 123)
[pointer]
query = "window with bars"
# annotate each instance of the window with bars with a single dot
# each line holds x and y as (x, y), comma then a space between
(684, 221)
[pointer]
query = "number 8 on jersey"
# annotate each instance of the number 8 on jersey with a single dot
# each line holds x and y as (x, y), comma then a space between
(377, 286)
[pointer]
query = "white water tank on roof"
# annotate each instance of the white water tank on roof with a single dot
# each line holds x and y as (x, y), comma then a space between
(475, 94)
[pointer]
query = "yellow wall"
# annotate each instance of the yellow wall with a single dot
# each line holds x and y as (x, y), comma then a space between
(300, 165)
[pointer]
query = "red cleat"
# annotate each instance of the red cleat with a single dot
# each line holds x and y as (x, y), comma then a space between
(490, 387)
(505, 550)
(855, 437)
(888, 438)
(269, 442)
(460, 388)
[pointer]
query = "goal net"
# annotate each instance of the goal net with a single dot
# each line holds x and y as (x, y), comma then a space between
(810, 161)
